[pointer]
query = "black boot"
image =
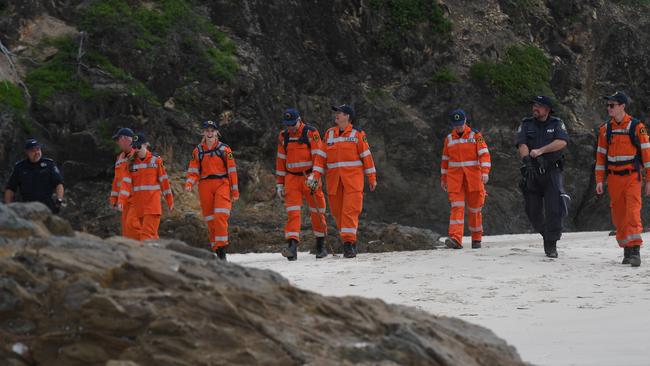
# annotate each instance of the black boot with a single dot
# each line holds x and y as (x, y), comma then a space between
(349, 250)
(635, 256)
(221, 253)
(321, 252)
(550, 247)
(452, 244)
(626, 255)
(291, 251)
(476, 244)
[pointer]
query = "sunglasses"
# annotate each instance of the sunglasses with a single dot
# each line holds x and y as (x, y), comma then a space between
(612, 105)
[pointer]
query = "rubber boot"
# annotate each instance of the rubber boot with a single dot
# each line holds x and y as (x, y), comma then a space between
(476, 244)
(452, 244)
(626, 255)
(321, 252)
(221, 253)
(635, 256)
(552, 248)
(291, 251)
(349, 250)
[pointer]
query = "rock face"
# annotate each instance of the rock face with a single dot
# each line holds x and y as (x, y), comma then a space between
(81, 300)
(151, 72)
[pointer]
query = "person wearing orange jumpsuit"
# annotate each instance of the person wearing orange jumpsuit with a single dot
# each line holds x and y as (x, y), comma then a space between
(144, 182)
(213, 168)
(623, 153)
(464, 171)
(299, 165)
(348, 160)
(123, 138)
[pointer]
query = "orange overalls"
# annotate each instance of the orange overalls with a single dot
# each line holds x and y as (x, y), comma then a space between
(616, 162)
(129, 228)
(143, 183)
(465, 159)
(348, 159)
(213, 167)
(303, 155)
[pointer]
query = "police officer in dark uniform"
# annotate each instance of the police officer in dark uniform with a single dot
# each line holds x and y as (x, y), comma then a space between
(541, 140)
(36, 178)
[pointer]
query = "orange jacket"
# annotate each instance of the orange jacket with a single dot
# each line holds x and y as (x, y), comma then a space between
(348, 159)
(145, 180)
(298, 156)
(120, 172)
(213, 164)
(466, 156)
(620, 154)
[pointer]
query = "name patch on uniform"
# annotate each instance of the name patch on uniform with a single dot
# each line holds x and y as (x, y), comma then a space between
(550, 130)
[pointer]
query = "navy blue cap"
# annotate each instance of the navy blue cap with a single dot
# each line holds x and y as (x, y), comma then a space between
(344, 108)
(123, 132)
(139, 139)
(619, 97)
(212, 124)
(543, 100)
(31, 143)
(290, 117)
(458, 117)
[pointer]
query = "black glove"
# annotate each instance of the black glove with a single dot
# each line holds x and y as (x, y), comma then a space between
(528, 168)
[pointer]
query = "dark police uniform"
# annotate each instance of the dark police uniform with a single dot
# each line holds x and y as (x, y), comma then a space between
(36, 181)
(543, 185)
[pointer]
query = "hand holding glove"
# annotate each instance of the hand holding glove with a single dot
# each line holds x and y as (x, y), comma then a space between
(312, 182)
(279, 188)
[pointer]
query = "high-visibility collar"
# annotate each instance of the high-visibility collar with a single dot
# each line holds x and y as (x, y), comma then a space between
(466, 130)
(626, 120)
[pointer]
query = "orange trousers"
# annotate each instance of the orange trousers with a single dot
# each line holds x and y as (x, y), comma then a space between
(294, 195)
(625, 203)
(130, 224)
(145, 226)
(214, 195)
(346, 206)
(474, 201)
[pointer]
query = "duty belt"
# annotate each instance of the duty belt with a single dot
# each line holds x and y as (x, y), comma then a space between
(621, 172)
(215, 176)
(301, 173)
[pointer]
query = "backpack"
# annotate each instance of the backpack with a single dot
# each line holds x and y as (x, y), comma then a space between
(218, 150)
(633, 138)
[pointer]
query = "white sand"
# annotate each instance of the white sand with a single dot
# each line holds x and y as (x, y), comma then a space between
(584, 308)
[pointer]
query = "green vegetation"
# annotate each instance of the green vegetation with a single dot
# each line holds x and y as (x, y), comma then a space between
(404, 16)
(148, 27)
(523, 72)
(60, 74)
(442, 76)
(12, 97)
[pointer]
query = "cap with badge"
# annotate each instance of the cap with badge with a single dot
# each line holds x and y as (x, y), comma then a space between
(618, 97)
(344, 108)
(32, 144)
(290, 117)
(543, 100)
(458, 117)
(123, 132)
(139, 139)
(210, 124)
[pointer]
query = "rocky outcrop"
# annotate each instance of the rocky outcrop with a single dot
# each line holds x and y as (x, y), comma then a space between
(154, 76)
(80, 300)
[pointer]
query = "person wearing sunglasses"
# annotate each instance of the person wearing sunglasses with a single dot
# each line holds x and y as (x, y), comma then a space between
(464, 171)
(541, 140)
(124, 138)
(623, 153)
(213, 167)
(299, 166)
(145, 181)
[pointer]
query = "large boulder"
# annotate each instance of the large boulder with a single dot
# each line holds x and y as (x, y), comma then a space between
(87, 301)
